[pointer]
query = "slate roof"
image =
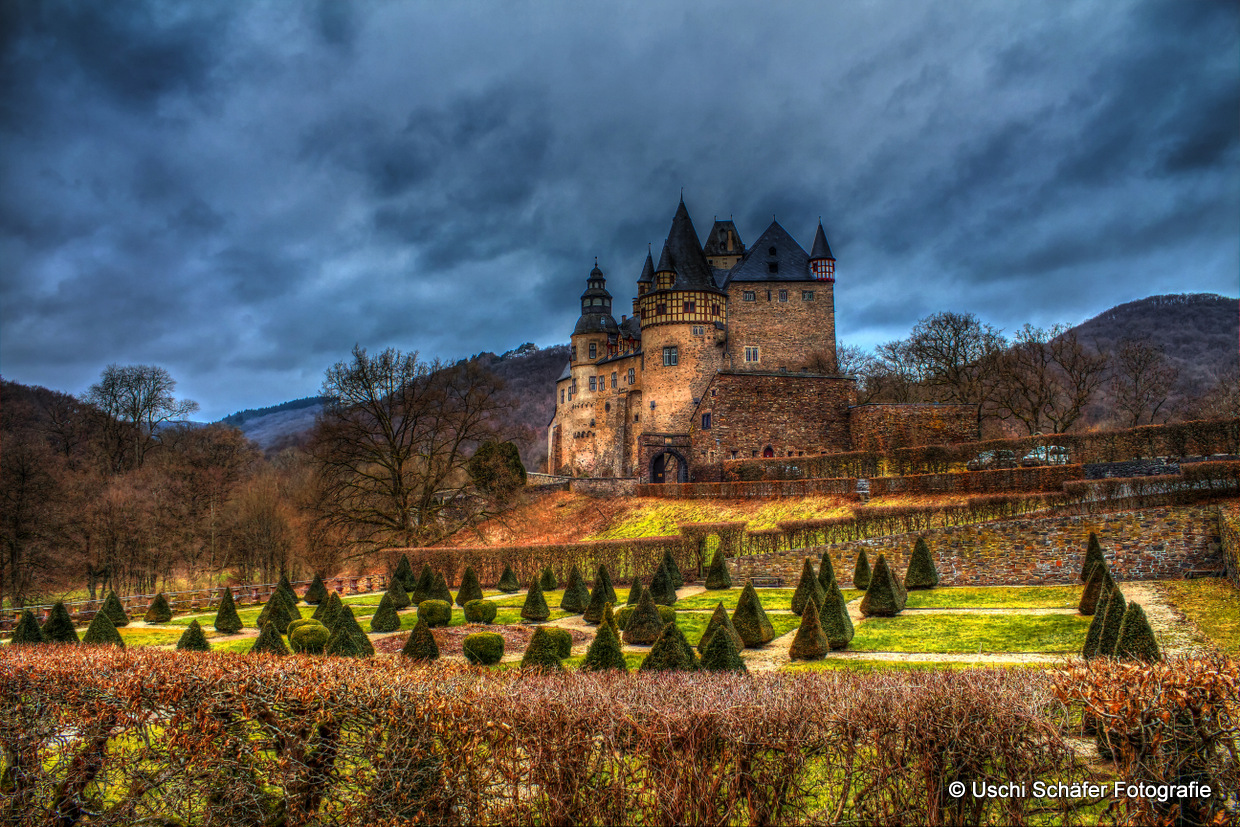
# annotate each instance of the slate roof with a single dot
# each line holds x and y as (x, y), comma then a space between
(632, 327)
(682, 254)
(821, 248)
(715, 243)
(792, 262)
(596, 323)
(567, 372)
(647, 276)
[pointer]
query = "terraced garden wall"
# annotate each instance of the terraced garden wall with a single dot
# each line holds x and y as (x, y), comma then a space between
(1229, 534)
(1150, 544)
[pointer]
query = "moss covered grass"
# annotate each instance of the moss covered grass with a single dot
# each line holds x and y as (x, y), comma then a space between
(994, 597)
(1212, 604)
(832, 664)
(947, 633)
(652, 517)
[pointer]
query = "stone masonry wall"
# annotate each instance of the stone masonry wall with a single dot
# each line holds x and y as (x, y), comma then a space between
(1152, 544)
(786, 333)
(1229, 525)
(884, 427)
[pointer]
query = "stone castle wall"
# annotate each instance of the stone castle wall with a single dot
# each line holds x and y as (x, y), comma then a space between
(787, 333)
(1151, 544)
(881, 428)
(675, 389)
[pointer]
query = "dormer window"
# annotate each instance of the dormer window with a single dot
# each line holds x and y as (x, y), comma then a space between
(771, 251)
(772, 266)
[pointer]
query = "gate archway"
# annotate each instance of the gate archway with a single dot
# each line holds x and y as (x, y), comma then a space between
(669, 466)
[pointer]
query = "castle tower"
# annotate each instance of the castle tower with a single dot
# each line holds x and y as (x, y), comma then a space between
(683, 322)
(645, 282)
(596, 329)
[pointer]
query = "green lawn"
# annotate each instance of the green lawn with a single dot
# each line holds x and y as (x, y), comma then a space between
(995, 597)
(948, 633)
(1213, 604)
(830, 664)
(769, 598)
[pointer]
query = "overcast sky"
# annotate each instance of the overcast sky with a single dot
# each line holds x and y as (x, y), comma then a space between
(241, 191)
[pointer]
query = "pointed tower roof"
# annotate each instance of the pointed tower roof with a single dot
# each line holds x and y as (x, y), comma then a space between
(716, 242)
(820, 249)
(775, 256)
(682, 254)
(647, 276)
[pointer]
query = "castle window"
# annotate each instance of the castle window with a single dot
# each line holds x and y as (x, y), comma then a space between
(593, 350)
(613, 380)
(751, 354)
(690, 306)
(734, 454)
(772, 266)
(561, 396)
(750, 296)
(592, 384)
(768, 295)
(698, 330)
(574, 353)
(660, 309)
(602, 383)
(573, 387)
(632, 375)
(669, 356)
(783, 295)
(705, 422)
(807, 295)
(714, 310)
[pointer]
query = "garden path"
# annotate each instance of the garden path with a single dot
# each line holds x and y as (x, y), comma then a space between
(1174, 633)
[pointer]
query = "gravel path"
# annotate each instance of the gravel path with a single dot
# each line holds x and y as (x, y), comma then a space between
(1175, 635)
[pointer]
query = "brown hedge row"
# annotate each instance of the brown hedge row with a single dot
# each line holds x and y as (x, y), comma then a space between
(824, 466)
(1046, 478)
(748, 490)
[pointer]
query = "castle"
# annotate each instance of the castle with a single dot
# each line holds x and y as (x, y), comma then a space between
(729, 353)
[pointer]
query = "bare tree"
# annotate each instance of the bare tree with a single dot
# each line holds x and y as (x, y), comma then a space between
(135, 401)
(952, 353)
(1141, 380)
(1083, 369)
(392, 444)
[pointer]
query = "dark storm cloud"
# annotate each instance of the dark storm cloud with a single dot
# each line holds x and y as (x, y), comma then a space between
(242, 192)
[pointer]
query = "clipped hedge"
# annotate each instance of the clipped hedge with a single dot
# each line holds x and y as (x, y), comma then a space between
(435, 612)
(480, 611)
(485, 648)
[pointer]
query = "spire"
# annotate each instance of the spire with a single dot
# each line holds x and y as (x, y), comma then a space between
(820, 250)
(665, 259)
(683, 254)
(647, 276)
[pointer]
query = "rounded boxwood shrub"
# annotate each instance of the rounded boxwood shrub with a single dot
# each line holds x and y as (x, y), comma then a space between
(1093, 556)
(836, 624)
(435, 612)
(921, 572)
(750, 619)
(722, 655)
(662, 587)
(27, 632)
(423, 588)
(717, 576)
(59, 625)
(861, 572)
(535, 606)
(563, 640)
(317, 592)
(115, 611)
(576, 597)
(883, 598)
(480, 611)
(809, 590)
(485, 648)
(602, 578)
(470, 589)
(508, 582)
(1117, 606)
(826, 572)
(621, 618)
(385, 618)
(678, 579)
(396, 594)
(604, 652)
(1136, 638)
(670, 652)
(308, 637)
(810, 643)
(269, 641)
(421, 644)
(159, 611)
(101, 632)
(719, 621)
(644, 624)
(542, 652)
(193, 640)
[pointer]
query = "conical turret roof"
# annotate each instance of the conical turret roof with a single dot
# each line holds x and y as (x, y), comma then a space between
(682, 254)
(820, 249)
(647, 276)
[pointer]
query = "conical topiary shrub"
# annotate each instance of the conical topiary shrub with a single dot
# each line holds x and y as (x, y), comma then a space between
(921, 572)
(1098, 582)
(403, 574)
(604, 651)
(576, 596)
(635, 593)
(227, 621)
(810, 642)
(269, 641)
(27, 631)
(347, 638)
(662, 590)
(101, 632)
(1117, 606)
(424, 588)
(193, 640)
(328, 610)
(717, 576)
(722, 655)
(508, 583)
(547, 580)
(421, 645)
(276, 611)
(317, 592)
(609, 617)
(678, 579)
(59, 626)
(542, 652)
(670, 652)
(1093, 556)
(836, 624)
(385, 618)
(598, 603)
(808, 589)
(535, 606)
(750, 619)
(603, 578)
(114, 610)
(286, 588)
(645, 624)
(396, 594)
(826, 572)
(1094, 635)
(483, 648)
(159, 611)
(441, 590)
(861, 572)
(1136, 638)
(470, 588)
(883, 598)
(719, 621)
